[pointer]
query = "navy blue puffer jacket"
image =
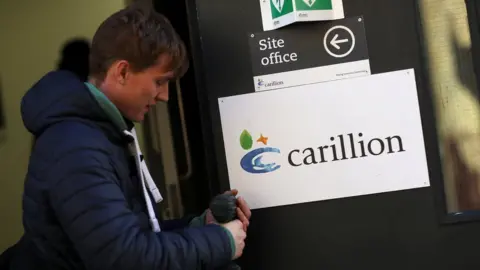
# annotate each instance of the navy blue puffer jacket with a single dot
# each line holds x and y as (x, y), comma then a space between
(83, 204)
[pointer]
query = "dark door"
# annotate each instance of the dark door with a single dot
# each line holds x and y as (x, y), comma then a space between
(176, 151)
(398, 230)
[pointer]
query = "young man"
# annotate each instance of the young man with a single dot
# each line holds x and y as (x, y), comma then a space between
(88, 193)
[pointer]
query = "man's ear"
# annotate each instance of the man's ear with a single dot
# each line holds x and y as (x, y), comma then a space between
(122, 71)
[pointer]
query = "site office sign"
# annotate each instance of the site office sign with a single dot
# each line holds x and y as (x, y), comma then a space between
(309, 53)
(323, 141)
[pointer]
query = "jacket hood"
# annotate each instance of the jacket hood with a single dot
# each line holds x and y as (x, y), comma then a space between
(60, 96)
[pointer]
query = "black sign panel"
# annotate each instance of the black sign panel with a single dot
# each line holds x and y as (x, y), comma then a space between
(306, 45)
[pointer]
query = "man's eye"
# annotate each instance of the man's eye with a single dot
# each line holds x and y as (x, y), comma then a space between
(161, 82)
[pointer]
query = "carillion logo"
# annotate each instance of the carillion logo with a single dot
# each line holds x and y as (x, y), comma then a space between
(261, 83)
(341, 147)
(252, 161)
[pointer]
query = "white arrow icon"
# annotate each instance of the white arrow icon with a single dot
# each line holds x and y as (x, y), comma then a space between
(335, 42)
(327, 40)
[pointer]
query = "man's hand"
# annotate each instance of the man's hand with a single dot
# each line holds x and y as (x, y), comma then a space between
(238, 234)
(243, 211)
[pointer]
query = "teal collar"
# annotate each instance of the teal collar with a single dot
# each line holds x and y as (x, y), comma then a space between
(108, 107)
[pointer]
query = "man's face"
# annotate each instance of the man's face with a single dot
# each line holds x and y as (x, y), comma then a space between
(136, 92)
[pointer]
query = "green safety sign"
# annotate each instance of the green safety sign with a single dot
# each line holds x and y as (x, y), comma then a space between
(279, 13)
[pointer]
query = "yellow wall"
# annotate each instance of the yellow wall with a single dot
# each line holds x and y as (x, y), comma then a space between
(31, 35)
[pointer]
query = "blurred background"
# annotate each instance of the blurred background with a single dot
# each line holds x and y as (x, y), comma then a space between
(38, 37)
(35, 38)
(451, 67)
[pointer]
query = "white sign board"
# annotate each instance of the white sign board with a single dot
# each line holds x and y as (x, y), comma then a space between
(279, 13)
(324, 141)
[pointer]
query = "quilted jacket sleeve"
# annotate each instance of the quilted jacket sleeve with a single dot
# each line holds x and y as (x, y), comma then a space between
(176, 224)
(92, 210)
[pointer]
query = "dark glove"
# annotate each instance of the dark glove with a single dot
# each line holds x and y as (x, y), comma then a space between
(224, 209)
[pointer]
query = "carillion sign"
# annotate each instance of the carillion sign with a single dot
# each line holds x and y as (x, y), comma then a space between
(323, 141)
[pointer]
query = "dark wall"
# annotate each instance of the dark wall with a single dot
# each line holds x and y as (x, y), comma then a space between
(398, 230)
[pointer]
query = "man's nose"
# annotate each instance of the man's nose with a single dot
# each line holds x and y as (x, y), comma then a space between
(162, 97)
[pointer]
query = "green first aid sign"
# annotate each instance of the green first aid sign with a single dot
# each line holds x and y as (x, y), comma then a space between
(279, 13)
(313, 4)
(281, 7)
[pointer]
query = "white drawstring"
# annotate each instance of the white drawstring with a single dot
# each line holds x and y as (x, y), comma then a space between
(150, 183)
(145, 179)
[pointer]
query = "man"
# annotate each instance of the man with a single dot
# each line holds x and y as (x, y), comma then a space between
(88, 193)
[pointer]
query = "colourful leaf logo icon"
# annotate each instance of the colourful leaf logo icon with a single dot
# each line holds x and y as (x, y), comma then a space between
(246, 140)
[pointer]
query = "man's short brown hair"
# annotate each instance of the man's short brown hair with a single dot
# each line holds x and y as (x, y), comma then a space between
(138, 35)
